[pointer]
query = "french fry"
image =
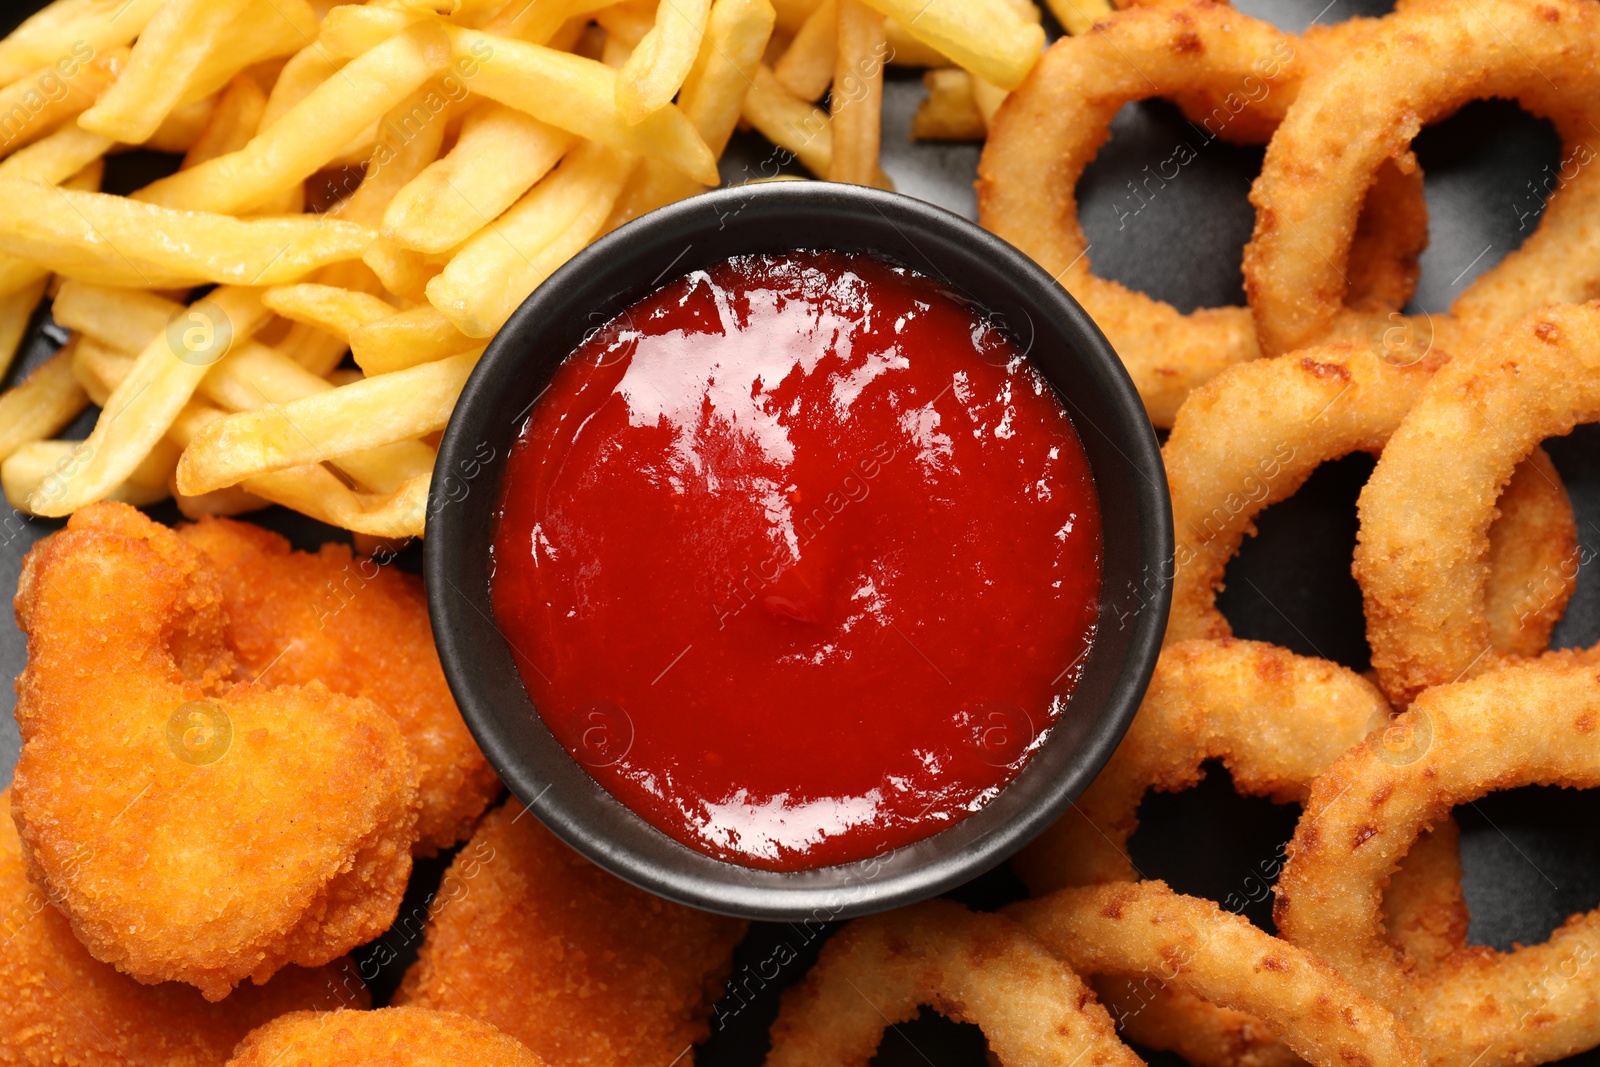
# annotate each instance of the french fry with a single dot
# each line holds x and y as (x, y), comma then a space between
(71, 27)
(377, 411)
(806, 69)
(16, 309)
(499, 155)
(420, 335)
(312, 132)
(330, 308)
(266, 30)
(403, 272)
(224, 503)
(654, 73)
(234, 119)
(906, 51)
(988, 96)
(540, 21)
(179, 130)
(628, 22)
(124, 319)
(564, 90)
(33, 475)
(789, 122)
(409, 138)
(496, 271)
(116, 241)
(165, 58)
(949, 113)
(57, 157)
(305, 70)
(160, 382)
(987, 37)
(53, 95)
(1076, 16)
(314, 349)
(43, 403)
(713, 97)
(856, 103)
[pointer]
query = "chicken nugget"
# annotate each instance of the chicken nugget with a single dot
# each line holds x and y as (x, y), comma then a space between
(581, 967)
(392, 1037)
(60, 1005)
(191, 829)
(360, 628)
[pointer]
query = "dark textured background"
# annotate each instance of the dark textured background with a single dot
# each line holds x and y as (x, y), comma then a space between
(1530, 855)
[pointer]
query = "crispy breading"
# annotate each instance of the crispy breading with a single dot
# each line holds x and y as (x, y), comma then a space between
(360, 627)
(581, 967)
(191, 829)
(391, 1037)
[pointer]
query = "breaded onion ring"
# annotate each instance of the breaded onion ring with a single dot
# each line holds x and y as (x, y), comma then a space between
(59, 1005)
(1276, 720)
(1425, 546)
(1533, 724)
(1146, 930)
(1351, 117)
(394, 1037)
(969, 967)
(189, 830)
(1252, 436)
(1052, 126)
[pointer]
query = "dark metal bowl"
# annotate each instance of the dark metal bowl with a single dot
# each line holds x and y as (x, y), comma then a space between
(600, 282)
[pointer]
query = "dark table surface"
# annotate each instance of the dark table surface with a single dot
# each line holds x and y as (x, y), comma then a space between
(1531, 856)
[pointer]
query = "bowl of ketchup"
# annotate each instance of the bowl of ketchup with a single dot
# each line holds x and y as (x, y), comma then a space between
(798, 551)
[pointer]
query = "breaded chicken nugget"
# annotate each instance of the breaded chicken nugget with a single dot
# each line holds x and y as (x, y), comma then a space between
(361, 629)
(578, 965)
(388, 1037)
(59, 1005)
(189, 829)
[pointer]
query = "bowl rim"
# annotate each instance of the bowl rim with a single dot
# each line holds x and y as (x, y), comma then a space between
(598, 826)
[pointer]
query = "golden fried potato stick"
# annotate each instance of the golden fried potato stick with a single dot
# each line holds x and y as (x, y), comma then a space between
(31, 472)
(792, 14)
(1423, 569)
(305, 70)
(1530, 724)
(789, 122)
(233, 120)
(51, 96)
(113, 240)
(587, 969)
(655, 71)
(396, 1037)
(16, 311)
(41, 404)
(713, 98)
(1144, 929)
(54, 160)
(128, 730)
(1251, 437)
(312, 132)
(970, 967)
(567, 91)
(64, 1006)
(487, 280)
(950, 110)
(384, 410)
(161, 381)
(539, 21)
(71, 27)
(1076, 16)
(178, 132)
(165, 58)
(988, 37)
(806, 67)
(500, 154)
(337, 311)
(856, 103)
(266, 30)
(419, 335)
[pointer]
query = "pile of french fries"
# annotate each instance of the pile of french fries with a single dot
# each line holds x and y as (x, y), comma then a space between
(460, 151)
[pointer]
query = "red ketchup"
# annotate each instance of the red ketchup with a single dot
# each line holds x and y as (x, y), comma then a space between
(799, 558)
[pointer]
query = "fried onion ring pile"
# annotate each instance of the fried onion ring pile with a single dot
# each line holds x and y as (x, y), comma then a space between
(191, 829)
(1423, 567)
(1355, 116)
(1051, 128)
(1253, 435)
(1533, 724)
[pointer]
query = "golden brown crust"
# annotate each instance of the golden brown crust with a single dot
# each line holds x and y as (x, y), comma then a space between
(392, 1037)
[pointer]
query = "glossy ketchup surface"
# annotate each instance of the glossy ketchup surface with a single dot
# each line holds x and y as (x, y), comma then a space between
(799, 558)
